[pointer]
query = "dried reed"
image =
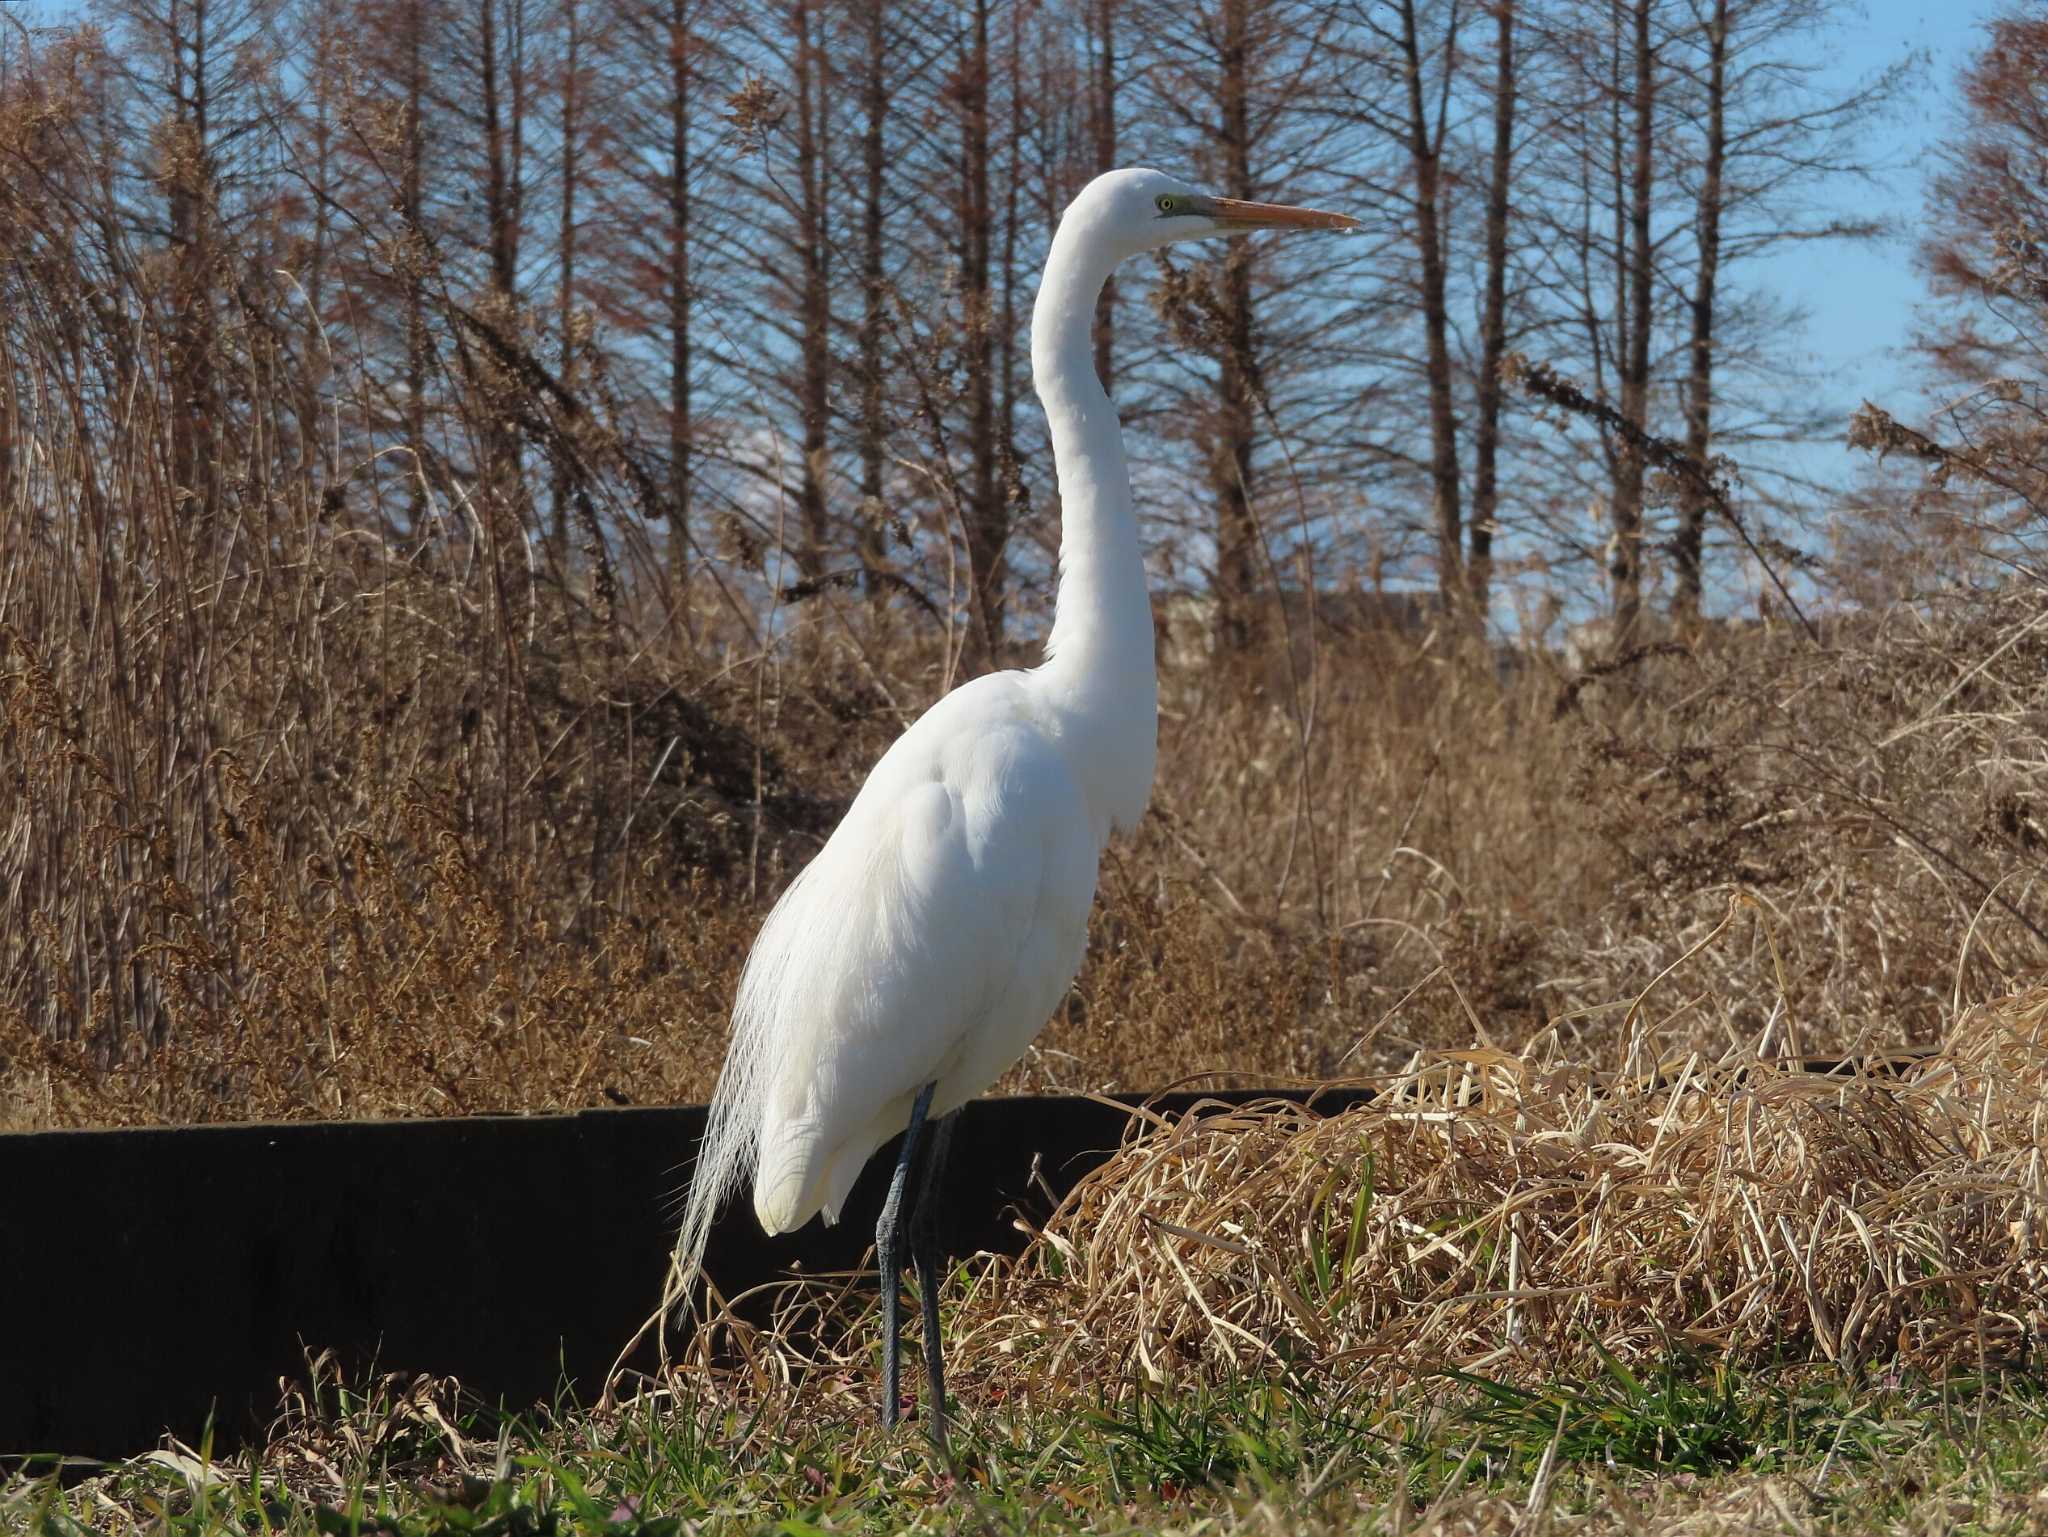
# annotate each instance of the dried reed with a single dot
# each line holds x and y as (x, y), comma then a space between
(1503, 1213)
(334, 783)
(1514, 1214)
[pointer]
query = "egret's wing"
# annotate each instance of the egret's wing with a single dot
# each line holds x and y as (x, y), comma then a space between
(949, 906)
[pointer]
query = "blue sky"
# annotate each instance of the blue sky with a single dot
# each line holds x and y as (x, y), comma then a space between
(1860, 299)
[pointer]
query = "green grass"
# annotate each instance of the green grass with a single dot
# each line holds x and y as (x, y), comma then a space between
(1712, 1449)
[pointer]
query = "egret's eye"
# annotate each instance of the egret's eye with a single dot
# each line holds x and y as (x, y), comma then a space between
(1166, 202)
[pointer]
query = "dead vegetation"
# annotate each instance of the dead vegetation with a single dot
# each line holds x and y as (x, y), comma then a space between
(1520, 1217)
(344, 789)
(335, 782)
(369, 902)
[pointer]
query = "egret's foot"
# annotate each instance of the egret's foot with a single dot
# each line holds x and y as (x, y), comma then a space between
(924, 1253)
(928, 1280)
(889, 1235)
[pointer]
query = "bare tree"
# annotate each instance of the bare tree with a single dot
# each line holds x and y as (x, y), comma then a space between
(1242, 85)
(199, 72)
(572, 87)
(659, 156)
(1636, 103)
(1486, 433)
(490, 49)
(681, 85)
(1410, 79)
(810, 73)
(1699, 393)
(986, 509)
(1985, 254)
(1099, 28)
(1424, 136)
(873, 430)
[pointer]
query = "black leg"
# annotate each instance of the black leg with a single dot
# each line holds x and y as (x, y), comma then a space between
(889, 1233)
(924, 1253)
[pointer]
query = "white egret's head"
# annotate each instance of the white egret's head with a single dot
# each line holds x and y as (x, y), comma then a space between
(1140, 210)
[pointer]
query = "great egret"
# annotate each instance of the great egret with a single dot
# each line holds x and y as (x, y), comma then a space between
(917, 955)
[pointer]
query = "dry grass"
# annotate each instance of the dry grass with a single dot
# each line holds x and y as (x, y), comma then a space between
(1508, 1296)
(338, 783)
(345, 784)
(416, 1459)
(370, 903)
(1513, 1215)
(1469, 861)
(1517, 1215)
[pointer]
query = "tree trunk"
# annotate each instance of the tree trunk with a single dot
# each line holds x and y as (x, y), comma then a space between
(682, 49)
(189, 194)
(322, 73)
(1493, 320)
(418, 342)
(874, 514)
(1238, 627)
(503, 106)
(812, 232)
(500, 189)
(1443, 419)
(987, 510)
(1011, 485)
(1625, 550)
(565, 316)
(1699, 394)
(326, 63)
(1101, 19)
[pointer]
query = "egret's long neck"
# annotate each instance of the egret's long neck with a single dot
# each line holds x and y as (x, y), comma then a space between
(1099, 655)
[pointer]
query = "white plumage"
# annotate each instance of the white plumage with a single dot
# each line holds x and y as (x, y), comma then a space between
(930, 939)
(973, 849)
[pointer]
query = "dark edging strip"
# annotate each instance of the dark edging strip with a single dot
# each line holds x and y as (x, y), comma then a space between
(150, 1277)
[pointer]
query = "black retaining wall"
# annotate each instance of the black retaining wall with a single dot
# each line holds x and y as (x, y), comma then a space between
(149, 1278)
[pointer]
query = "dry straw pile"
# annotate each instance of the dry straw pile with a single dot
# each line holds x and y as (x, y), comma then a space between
(1513, 1214)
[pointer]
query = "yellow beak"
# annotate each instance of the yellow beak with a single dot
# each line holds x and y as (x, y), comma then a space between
(1241, 215)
